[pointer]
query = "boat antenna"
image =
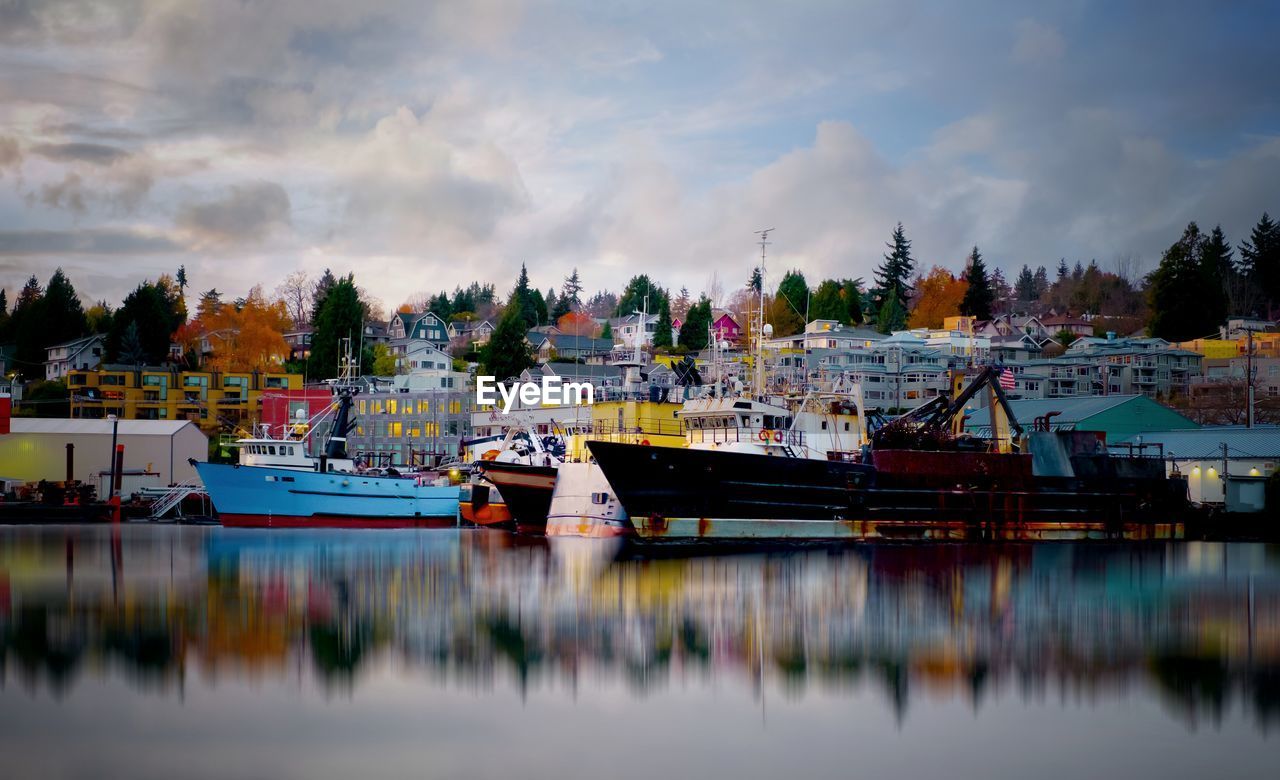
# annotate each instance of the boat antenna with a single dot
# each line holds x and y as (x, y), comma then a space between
(764, 244)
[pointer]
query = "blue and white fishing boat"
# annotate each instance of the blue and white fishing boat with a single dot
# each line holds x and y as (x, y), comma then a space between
(278, 484)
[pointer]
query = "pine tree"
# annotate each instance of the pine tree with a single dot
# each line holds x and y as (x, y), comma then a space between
(4, 317)
(323, 285)
(662, 334)
(154, 315)
(131, 351)
(562, 305)
(507, 353)
(756, 283)
(62, 312)
(828, 302)
(1177, 290)
(341, 316)
(26, 327)
(978, 297)
(1217, 268)
(1260, 259)
(632, 297)
(571, 292)
(181, 278)
(607, 331)
(1062, 269)
(1001, 290)
(1025, 288)
(891, 279)
(851, 292)
(1042, 281)
(693, 331)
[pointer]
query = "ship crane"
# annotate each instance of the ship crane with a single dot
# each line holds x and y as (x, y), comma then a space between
(943, 415)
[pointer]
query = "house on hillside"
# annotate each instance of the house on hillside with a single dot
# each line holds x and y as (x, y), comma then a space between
(465, 335)
(84, 354)
(566, 347)
(420, 326)
(1074, 325)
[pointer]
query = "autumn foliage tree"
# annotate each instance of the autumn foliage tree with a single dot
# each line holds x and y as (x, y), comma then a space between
(251, 337)
(938, 296)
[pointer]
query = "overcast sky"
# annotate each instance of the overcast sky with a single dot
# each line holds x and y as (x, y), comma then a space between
(425, 145)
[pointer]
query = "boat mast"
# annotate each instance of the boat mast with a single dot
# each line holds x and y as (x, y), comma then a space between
(759, 356)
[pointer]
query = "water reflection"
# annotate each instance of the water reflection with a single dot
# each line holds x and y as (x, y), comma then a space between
(1194, 626)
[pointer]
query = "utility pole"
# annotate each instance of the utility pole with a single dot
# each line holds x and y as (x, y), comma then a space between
(1248, 378)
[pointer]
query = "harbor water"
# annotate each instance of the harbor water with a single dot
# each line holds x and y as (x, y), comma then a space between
(149, 651)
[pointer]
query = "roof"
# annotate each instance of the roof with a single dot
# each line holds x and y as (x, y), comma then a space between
(580, 370)
(1142, 413)
(563, 341)
(77, 342)
(70, 427)
(1206, 443)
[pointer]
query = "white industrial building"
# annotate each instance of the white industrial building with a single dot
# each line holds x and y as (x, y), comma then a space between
(1214, 458)
(36, 448)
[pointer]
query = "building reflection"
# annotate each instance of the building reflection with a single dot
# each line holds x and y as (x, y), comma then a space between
(1197, 625)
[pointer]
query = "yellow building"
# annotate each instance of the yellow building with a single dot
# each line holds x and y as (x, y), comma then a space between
(212, 400)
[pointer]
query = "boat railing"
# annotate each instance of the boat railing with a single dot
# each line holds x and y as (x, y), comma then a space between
(646, 427)
(747, 435)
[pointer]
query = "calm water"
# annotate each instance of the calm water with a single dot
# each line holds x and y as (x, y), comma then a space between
(203, 652)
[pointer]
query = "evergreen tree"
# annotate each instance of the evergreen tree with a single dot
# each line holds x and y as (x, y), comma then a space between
(440, 306)
(978, 296)
(61, 311)
(323, 285)
(26, 327)
(210, 302)
(181, 278)
(341, 316)
(1025, 288)
(539, 306)
(662, 335)
(507, 353)
(693, 331)
(154, 313)
(1177, 289)
(563, 305)
(756, 283)
(4, 317)
(891, 315)
(1042, 281)
(1260, 260)
(1217, 268)
(632, 298)
(1001, 290)
(828, 302)
(891, 280)
(131, 350)
(851, 291)
(1062, 269)
(607, 331)
(789, 304)
(571, 292)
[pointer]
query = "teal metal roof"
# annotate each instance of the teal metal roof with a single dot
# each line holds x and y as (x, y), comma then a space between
(1206, 443)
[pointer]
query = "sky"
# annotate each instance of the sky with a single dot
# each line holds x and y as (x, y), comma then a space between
(425, 145)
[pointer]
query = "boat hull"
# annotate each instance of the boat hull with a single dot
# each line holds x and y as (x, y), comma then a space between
(527, 490)
(705, 494)
(262, 496)
(583, 504)
(483, 505)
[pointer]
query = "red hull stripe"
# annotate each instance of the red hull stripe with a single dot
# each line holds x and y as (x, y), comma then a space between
(333, 521)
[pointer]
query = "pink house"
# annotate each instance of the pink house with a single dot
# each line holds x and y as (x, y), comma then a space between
(725, 327)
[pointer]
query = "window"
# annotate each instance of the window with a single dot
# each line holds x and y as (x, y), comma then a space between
(271, 450)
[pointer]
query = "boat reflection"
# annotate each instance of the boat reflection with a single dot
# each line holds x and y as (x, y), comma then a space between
(1195, 625)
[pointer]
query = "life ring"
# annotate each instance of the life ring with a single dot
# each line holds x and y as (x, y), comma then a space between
(777, 437)
(644, 443)
(764, 434)
(490, 455)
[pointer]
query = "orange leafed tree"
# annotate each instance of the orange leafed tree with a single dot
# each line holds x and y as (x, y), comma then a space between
(250, 338)
(938, 295)
(577, 323)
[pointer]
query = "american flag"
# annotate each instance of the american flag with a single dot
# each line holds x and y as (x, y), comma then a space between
(1006, 380)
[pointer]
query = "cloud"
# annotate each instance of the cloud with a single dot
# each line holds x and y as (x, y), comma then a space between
(95, 241)
(97, 154)
(247, 213)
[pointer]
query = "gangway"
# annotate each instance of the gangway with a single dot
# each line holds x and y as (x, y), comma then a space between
(168, 498)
